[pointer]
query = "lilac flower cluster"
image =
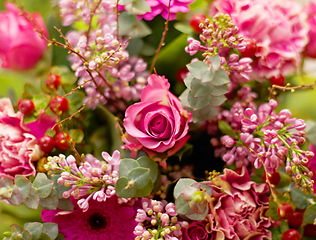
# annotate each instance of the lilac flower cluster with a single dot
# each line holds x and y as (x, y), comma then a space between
(101, 62)
(259, 137)
(158, 220)
(92, 179)
(220, 36)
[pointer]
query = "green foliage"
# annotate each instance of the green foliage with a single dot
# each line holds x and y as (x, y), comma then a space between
(310, 214)
(136, 177)
(32, 195)
(206, 88)
(32, 231)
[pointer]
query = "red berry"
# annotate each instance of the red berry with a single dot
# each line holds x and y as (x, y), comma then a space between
(26, 106)
(285, 210)
(59, 105)
(181, 74)
(195, 22)
(47, 143)
(278, 80)
(291, 234)
(250, 49)
(274, 179)
(62, 140)
(309, 230)
(53, 82)
(296, 220)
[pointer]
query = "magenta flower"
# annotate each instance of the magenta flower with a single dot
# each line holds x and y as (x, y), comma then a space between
(161, 7)
(278, 27)
(310, 49)
(103, 220)
(20, 46)
(157, 124)
(240, 206)
(196, 231)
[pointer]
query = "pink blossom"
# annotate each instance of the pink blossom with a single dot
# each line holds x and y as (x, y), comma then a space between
(278, 27)
(21, 47)
(157, 124)
(18, 147)
(310, 49)
(240, 207)
(161, 7)
(103, 220)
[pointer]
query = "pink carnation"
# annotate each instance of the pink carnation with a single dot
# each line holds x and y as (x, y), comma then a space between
(311, 46)
(161, 7)
(103, 220)
(240, 207)
(20, 46)
(278, 27)
(157, 124)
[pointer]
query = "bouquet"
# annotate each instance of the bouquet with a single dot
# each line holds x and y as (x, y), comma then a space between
(158, 119)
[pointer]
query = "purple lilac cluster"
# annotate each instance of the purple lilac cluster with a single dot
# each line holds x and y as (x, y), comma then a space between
(158, 220)
(101, 62)
(220, 36)
(262, 137)
(92, 179)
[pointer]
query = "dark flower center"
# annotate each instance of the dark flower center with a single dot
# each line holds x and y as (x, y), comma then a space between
(97, 221)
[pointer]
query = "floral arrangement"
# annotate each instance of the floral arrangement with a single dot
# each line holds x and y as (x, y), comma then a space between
(158, 119)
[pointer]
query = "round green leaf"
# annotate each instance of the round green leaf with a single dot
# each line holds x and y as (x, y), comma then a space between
(126, 165)
(35, 229)
(146, 190)
(182, 206)
(123, 190)
(23, 184)
(139, 177)
(147, 162)
(183, 182)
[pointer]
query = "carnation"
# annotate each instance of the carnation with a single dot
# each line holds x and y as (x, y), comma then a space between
(278, 27)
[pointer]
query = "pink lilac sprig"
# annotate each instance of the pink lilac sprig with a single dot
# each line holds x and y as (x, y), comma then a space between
(158, 220)
(93, 179)
(220, 36)
(262, 137)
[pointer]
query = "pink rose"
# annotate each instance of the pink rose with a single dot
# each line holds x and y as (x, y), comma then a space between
(240, 207)
(158, 124)
(196, 231)
(21, 47)
(310, 49)
(18, 142)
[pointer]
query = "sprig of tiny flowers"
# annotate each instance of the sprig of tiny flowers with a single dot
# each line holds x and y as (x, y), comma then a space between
(92, 179)
(158, 220)
(263, 137)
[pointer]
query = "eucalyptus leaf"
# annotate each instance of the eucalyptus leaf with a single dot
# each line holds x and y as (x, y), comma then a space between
(182, 206)
(125, 2)
(183, 182)
(35, 229)
(152, 165)
(217, 101)
(199, 102)
(127, 165)
(126, 22)
(203, 114)
(216, 62)
(123, 189)
(197, 69)
(26, 235)
(32, 201)
(219, 91)
(23, 184)
(43, 185)
(199, 89)
(16, 197)
(139, 177)
(145, 191)
(220, 78)
(50, 202)
(51, 229)
(310, 214)
(198, 216)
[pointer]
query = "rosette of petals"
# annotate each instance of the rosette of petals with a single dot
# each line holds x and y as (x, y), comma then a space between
(267, 22)
(158, 219)
(92, 179)
(239, 207)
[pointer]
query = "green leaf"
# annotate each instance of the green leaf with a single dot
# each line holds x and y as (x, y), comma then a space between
(40, 101)
(205, 113)
(311, 131)
(30, 89)
(219, 91)
(300, 199)
(226, 129)
(50, 202)
(76, 135)
(127, 165)
(198, 69)
(139, 177)
(23, 184)
(16, 197)
(35, 229)
(182, 206)
(198, 216)
(32, 201)
(44, 236)
(125, 2)
(65, 204)
(273, 210)
(126, 22)
(152, 165)
(123, 189)
(217, 101)
(310, 214)
(216, 62)
(43, 185)
(183, 182)
(51, 229)
(199, 89)
(220, 78)
(146, 190)
(199, 102)
(138, 7)
(26, 235)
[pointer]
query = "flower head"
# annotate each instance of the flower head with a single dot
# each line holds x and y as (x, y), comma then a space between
(103, 220)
